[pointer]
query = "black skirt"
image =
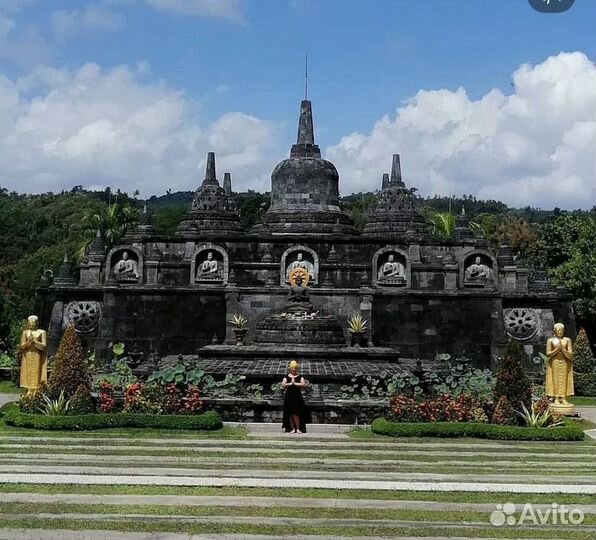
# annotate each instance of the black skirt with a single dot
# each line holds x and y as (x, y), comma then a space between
(294, 405)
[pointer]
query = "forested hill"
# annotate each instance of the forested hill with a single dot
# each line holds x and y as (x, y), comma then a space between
(37, 230)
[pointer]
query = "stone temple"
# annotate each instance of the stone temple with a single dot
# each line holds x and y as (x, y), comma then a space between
(169, 296)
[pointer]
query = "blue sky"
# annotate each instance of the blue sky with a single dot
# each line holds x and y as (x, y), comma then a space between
(366, 59)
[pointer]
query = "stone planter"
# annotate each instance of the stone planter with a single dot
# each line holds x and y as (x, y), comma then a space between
(240, 334)
(358, 339)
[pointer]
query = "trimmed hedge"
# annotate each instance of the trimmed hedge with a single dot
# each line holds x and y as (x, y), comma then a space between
(585, 384)
(569, 432)
(208, 421)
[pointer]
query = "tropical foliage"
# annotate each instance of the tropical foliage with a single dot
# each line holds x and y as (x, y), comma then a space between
(357, 324)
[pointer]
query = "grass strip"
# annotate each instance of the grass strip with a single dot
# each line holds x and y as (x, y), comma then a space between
(245, 511)
(294, 529)
(313, 493)
(319, 456)
(8, 387)
(586, 401)
(430, 469)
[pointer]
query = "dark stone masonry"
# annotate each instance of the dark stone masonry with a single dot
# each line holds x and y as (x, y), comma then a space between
(171, 296)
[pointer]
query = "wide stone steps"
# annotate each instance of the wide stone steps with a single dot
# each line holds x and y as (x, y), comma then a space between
(59, 481)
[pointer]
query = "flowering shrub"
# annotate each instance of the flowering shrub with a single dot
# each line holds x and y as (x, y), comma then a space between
(173, 399)
(154, 398)
(132, 397)
(192, 401)
(106, 401)
(443, 408)
(504, 413)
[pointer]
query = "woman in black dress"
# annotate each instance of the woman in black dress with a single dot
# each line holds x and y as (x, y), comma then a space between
(295, 414)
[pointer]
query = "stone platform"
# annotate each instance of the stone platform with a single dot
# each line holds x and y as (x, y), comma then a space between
(277, 329)
(317, 362)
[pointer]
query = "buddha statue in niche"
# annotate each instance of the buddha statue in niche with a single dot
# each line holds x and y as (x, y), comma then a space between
(126, 269)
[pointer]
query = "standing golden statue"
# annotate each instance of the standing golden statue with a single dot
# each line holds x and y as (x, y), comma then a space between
(34, 358)
(559, 370)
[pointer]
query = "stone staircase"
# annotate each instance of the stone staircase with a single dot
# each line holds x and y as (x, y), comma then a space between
(260, 483)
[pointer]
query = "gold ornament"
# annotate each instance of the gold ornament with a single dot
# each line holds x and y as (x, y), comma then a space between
(303, 273)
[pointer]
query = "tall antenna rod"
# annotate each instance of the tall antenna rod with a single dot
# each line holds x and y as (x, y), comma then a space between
(306, 76)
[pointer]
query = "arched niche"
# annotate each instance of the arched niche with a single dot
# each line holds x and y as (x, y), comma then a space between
(209, 264)
(124, 264)
(299, 256)
(391, 268)
(478, 269)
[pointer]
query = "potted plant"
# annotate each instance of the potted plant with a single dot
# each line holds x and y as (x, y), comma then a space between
(357, 327)
(239, 324)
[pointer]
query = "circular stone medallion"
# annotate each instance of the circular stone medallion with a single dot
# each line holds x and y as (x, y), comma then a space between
(521, 323)
(84, 316)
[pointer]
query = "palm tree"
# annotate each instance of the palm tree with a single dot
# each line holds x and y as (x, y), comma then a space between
(442, 224)
(111, 221)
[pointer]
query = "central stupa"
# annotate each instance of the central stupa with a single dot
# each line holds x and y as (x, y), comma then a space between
(305, 188)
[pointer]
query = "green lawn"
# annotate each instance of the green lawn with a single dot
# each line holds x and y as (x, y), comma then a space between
(406, 529)
(312, 493)
(589, 401)
(8, 387)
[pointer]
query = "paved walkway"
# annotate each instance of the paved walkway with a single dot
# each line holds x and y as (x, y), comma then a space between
(224, 481)
(7, 398)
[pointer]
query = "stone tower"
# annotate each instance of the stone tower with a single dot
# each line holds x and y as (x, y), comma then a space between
(395, 217)
(213, 210)
(305, 188)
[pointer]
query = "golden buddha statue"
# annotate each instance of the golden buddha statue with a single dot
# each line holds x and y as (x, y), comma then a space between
(34, 358)
(559, 370)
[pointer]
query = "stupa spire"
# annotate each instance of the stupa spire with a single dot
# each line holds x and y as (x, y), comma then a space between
(210, 177)
(385, 183)
(227, 183)
(306, 134)
(305, 142)
(396, 171)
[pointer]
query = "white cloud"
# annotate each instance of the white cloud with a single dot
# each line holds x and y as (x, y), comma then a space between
(107, 127)
(534, 147)
(12, 6)
(23, 47)
(229, 10)
(93, 17)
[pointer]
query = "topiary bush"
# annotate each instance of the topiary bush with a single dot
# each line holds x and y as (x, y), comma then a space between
(583, 359)
(208, 421)
(567, 432)
(585, 384)
(512, 379)
(70, 370)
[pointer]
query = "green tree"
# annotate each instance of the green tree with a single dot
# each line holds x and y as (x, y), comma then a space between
(512, 379)
(583, 359)
(111, 221)
(516, 232)
(359, 207)
(578, 271)
(70, 369)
